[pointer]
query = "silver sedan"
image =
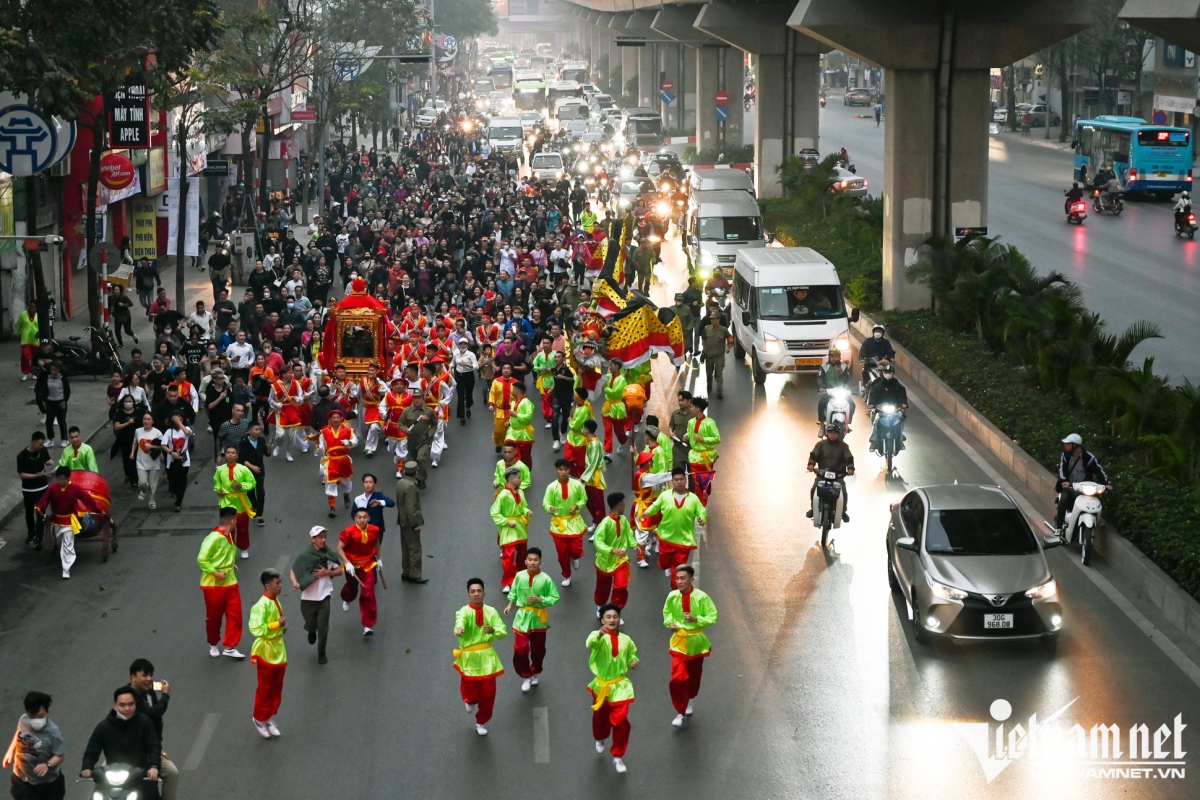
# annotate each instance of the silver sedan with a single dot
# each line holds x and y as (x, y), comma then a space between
(847, 183)
(970, 567)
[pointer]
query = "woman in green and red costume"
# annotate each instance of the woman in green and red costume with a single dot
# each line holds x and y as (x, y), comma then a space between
(476, 627)
(612, 655)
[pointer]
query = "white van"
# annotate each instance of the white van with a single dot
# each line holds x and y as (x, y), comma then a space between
(719, 224)
(787, 310)
(711, 180)
(505, 135)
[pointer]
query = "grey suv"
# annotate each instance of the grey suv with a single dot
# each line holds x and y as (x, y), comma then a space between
(858, 97)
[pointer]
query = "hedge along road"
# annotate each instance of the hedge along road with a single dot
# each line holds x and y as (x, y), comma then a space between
(1130, 268)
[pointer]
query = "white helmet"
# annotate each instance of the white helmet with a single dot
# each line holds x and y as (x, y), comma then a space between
(1074, 438)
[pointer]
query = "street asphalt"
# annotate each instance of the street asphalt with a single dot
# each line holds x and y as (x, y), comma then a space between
(815, 688)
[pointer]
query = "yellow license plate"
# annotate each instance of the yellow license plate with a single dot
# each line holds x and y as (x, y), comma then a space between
(1162, 174)
(809, 362)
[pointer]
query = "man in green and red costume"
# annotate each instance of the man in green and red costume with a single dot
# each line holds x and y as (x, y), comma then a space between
(476, 627)
(612, 655)
(268, 654)
(532, 592)
(520, 423)
(232, 482)
(575, 450)
(614, 540)
(676, 532)
(510, 514)
(510, 458)
(564, 500)
(702, 437)
(219, 584)
(687, 612)
(613, 411)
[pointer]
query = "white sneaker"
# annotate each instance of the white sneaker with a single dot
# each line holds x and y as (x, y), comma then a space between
(26, 377)
(243, 554)
(232, 652)
(555, 446)
(262, 729)
(547, 426)
(471, 707)
(275, 451)
(667, 572)
(599, 745)
(214, 651)
(368, 631)
(565, 582)
(534, 680)
(141, 496)
(433, 464)
(620, 766)
(643, 563)
(504, 589)
(575, 562)
(345, 606)
(689, 710)
(479, 729)
(303, 448)
(153, 505)
(678, 721)
(63, 443)
(289, 457)
(597, 612)
(66, 574)
(271, 729)
(526, 685)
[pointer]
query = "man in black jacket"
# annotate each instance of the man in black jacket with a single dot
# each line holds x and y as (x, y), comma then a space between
(877, 348)
(252, 452)
(886, 391)
(1075, 465)
(154, 705)
(125, 737)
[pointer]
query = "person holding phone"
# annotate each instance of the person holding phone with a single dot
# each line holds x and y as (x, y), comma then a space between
(36, 753)
(152, 699)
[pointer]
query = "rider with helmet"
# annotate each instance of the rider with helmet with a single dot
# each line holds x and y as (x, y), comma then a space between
(1075, 465)
(832, 454)
(834, 374)
(877, 348)
(1074, 194)
(1183, 207)
(886, 391)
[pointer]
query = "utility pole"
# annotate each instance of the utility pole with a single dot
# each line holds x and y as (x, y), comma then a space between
(323, 116)
(432, 53)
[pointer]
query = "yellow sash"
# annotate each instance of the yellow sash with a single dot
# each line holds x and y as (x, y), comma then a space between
(602, 695)
(679, 639)
(558, 523)
(541, 613)
(473, 648)
(243, 503)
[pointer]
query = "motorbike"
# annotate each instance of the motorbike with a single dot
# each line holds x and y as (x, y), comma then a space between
(891, 431)
(1185, 223)
(101, 359)
(720, 297)
(837, 411)
(1113, 203)
(119, 782)
(1076, 211)
(1083, 520)
(827, 503)
(871, 370)
(822, 99)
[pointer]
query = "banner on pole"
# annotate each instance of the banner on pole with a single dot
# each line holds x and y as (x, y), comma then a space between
(191, 237)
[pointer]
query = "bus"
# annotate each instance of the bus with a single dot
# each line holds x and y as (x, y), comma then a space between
(1145, 158)
(557, 90)
(501, 73)
(529, 92)
(574, 71)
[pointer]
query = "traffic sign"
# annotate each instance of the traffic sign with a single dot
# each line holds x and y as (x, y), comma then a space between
(1160, 118)
(722, 113)
(667, 98)
(721, 97)
(961, 233)
(668, 85)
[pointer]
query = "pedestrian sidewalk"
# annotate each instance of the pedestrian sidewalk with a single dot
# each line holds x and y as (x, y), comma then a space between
(88, 407)
(1037, 138)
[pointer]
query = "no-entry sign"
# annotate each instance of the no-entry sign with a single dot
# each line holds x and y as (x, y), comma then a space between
(668, 85)
(721, 97)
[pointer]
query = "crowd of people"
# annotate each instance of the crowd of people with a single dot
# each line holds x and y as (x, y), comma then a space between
(485, 281)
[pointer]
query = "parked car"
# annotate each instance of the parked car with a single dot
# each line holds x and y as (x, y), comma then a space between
(1001, 114)
(858, 97)
(1038, 116)
(847, 183)
(970, 567)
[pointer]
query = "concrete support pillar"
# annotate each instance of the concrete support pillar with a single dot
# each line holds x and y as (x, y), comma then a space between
(648, 75)
(718, 68)
(806, 102)
(769, 130)
(687, 91)
(629, 69)
(668, 67)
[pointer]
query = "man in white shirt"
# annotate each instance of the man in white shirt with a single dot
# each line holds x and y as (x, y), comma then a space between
(312, 575)
(343, 241)
(508, 258)
(560, 258)
(465, 364)
(202, 319)
(241, 356)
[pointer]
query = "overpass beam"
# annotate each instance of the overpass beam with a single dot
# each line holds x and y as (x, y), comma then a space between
(936, 57)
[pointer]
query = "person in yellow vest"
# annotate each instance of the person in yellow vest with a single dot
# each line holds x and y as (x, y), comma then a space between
(268, 654)
(232, 482)
(478, 666)
(687, 612)
(520, 423)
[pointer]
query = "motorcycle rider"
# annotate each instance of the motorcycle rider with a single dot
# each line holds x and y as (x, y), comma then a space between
(834, 374)
(1111, 191)
(1074, 466)
(1183, 207)
(877, 348)
(831, 453)
(886, 390)
(1075, 193)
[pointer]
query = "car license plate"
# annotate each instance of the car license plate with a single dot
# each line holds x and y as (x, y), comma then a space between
(809, 362)
(993, 622)
(1162, 174)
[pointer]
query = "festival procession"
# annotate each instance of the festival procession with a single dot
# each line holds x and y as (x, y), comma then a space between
(418, 473)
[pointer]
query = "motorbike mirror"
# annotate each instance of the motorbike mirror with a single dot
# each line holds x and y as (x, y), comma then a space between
(1051, 541)
(854, 314)
(907, 543)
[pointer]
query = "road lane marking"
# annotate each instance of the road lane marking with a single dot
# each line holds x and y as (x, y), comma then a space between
(207, 729)
(541, 735)
(1152, 631)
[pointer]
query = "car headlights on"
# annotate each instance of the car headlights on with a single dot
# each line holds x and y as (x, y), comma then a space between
(1044, 592)
(771, 345)
(943, 591)
(843, 345)
(707, 259)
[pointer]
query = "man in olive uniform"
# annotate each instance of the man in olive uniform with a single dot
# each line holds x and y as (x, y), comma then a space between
(410, 520)
(643, 265)
(680, 418)
(716, 342)
(686, 320)
(421, 423)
